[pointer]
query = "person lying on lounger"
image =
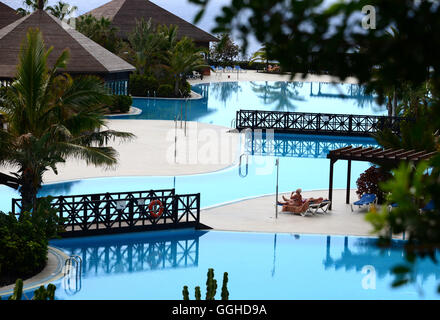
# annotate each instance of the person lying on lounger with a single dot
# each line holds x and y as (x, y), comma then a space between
(296, 199)
(295, 204)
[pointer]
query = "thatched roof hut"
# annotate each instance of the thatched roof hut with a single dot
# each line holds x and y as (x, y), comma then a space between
(7, 15)
(124, 13)
(86, 56)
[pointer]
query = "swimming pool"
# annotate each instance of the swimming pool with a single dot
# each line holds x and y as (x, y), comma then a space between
(303, 163)
(303, 160)
(260, 265)
(156, 265)
(221, 100)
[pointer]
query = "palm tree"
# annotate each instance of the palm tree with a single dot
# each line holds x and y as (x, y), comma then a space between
(260, 56)
(31, 6)
(183, 58)
(99, 30)
(62, 10)
(147, 45)
(52, 117)
(169, 33)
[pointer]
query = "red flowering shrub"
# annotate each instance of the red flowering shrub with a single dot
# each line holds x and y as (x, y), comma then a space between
(368, 182)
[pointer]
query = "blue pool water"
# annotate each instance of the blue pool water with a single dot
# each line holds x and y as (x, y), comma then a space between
(260, 265)
(221, 101)
(303, 163)
(303, 160)
(156, 265)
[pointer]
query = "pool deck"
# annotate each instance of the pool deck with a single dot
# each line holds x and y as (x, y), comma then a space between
(205, 148)
(258, 215)
(52, 272)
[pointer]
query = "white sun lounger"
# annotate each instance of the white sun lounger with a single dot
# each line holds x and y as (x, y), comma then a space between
(316, 207)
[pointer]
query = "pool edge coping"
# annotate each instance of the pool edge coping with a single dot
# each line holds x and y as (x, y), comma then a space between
(34, 282)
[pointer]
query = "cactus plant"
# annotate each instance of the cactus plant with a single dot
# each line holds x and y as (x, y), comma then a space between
(211, 288)
(18, 290)
(51, 291)
(225, 292)
(185, 293)
(40, 294)
(198, 294)
(211, 285)
(43, 293)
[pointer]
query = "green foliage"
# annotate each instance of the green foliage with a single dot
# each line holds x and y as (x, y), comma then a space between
(18, 290)
(211, 285)
(148, 45)
(161, 60)
(120, 104)
(198, 294)
(32, 5)
(225, 51)
(62, 9)
(182, 59)
(225, 292)
(185, 293)
(43, 293)
(211, 288)
(260, 56)
(411, 189)
(368, 182)
(51, 117)
(2, 98)
(414, 135)
(99, 30)
(186, 89)
(166, 91)
(24, 241)
(142, 85)
(302, 37)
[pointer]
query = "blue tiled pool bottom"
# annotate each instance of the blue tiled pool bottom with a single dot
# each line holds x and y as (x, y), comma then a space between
(157, 265)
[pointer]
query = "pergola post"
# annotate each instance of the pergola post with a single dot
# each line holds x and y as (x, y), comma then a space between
(330, 187)
(374, 155)
(347, 198)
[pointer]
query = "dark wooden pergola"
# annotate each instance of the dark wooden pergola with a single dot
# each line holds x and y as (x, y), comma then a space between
(374, 155)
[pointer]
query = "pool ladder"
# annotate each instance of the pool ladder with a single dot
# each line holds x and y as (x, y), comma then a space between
(72, 274)
(240, 173)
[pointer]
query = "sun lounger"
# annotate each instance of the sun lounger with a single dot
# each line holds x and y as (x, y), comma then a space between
(429, 206)
(319, 206)
(366, 199)
(294, 209)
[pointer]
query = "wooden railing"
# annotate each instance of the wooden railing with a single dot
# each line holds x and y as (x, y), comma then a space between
(123, 212)
(316, 123)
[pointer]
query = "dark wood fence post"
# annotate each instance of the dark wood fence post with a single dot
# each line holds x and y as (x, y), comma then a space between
(175, 210)
(350, 123)
(198, 209)
(347, 197)
(330, 188)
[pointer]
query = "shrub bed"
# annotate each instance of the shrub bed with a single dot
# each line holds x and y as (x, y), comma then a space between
(24, 242)
(120, 104)
(149, 86)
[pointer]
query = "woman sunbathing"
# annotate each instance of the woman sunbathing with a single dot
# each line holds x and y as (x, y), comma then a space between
(296, 203)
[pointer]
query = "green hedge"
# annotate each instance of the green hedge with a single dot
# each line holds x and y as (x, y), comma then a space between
(24, 242)
(120, 104)
(142, 85)
(148, 85)
(165, 91)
